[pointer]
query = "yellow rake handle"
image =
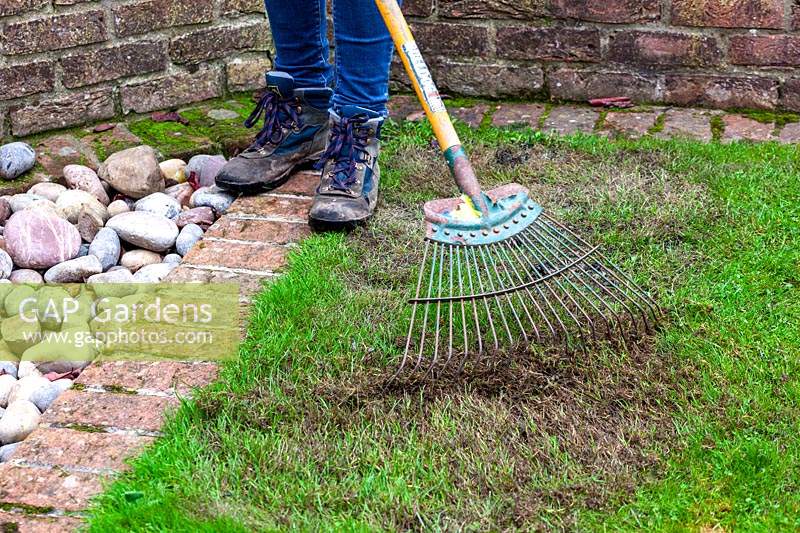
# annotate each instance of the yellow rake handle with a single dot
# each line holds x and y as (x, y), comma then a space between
(418, 72)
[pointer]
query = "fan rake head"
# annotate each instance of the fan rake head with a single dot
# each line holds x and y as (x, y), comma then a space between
(521, 277)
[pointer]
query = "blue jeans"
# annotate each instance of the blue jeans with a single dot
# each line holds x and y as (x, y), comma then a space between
(363, 55)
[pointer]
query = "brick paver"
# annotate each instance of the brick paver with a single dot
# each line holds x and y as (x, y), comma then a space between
(570, 119)
(686, 123)
(251, 256)
(283, 207)
(148, 377)
(25, 523)
(109, 410)
(255, 230)
(791, 133)
(629, 124)
(472, 116)
(47, 488)
(738, 128)
(518, 114)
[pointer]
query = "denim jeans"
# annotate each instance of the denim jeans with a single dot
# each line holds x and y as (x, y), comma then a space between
(363, 52)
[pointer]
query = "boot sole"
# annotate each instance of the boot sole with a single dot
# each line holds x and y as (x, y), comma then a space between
(254, 188)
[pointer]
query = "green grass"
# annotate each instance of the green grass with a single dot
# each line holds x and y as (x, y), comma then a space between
(698, 429)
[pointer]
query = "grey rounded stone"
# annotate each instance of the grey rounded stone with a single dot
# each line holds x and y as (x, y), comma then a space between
(106, 247)
(26, 275)
(18, 296)
(204, 168)
(118, 206)
(189, 236)
(19, 332)
(27, 368)
(44, 397)
(6, 264)
(116, 283)
(217, 199)
(47, 189)
(7, 451)
(154, 273)
(145, 230)
(23, 201)
(160, 204)
(16, 159)
(26, 387)
(74, 270)
(172, 258)
(19, 421)
(84, 251)
(8, 368)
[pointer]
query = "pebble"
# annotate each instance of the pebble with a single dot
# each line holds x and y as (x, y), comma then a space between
(89, 223)
(117, 207)
(204, 169)
(5, 209)
(217, 199)
(106, 247)
(182, 193)
(22, 201)
(26, 387)
(136, 259)
(16, 297)
(20, 419)
(7, 451)
(133, 172)
(47, 189)
(85, 179)
(6, 264)
(222, 114)
(113, 284)
(159, 204)
(188, 237)
(20, 334)
(40, 239)
(154, 273)
(72, 201)
(26, 275)
(174, 169)
(172, 258)
(16, 159)
(146, 230)
(74, 270)
(44, 397)
(8, 368)
(7, 383)
(27, 368)
(202, 216)
(84, 250)
(62, 355)
(49, 303)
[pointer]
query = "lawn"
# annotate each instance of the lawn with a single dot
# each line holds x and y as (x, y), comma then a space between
(696, 427)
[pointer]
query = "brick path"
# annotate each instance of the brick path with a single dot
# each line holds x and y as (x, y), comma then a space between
(117, 408)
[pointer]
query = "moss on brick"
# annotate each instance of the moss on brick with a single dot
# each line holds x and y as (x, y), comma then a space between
(658, 126)
(717, 127)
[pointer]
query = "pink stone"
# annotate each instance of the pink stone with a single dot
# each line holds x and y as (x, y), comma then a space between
(40, 239)
(85, 179)
(739, 128)
(791, 133)
(26, 275)
(202, 216)
(182, 192)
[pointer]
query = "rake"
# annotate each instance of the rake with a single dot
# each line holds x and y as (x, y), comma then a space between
(497, 270)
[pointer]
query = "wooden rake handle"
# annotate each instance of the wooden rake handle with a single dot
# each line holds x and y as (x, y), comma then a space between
(431, 101)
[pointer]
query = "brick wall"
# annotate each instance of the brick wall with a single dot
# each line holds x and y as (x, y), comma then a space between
(67, 62)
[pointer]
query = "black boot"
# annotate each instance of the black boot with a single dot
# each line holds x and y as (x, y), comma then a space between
(295, 132)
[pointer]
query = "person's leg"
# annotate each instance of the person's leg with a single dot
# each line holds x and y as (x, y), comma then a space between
(363, 55)
(299, 30)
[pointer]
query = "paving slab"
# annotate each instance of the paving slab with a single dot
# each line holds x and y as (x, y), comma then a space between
(518, 115)
(629, 124)
(686, 123)
(790, 133)
(566, 120)
(739, 128)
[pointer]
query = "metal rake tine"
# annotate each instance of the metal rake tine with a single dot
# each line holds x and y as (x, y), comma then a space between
(561, 302)
(427, 309)
(600, 272)
(614, 270)
(474, 312)
(413, 311)
(438, 312)
(492, 288)
(533, 298)
(450, 308)
(507, 295)
(463, 305)
(485, 300)
(519, 296)
(540, 236)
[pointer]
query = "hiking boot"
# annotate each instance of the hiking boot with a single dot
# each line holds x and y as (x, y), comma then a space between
(348, 190)
(296, 128)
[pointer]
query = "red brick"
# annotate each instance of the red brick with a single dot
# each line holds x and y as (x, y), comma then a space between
(795, 24)
(258, 230)
(247, 73)
(158, 376)
(578, 85)
(551, 44)
(488, 80)
(247, 256)
(149, 15)
(54, 152)
(25, 79)
(452, 39)
(728, 13)
(518, 114)
(501, 9)
(629, 124)
(269, 205)
(234, 7)
(566, 120)
(214, 43)
(765, 50)
(661, 49)
(790, 95)
(303, 183)
(79, 449)
(249, 284)
(107, 410)
(53, 33)
(418, 8)
(721, 92)
(47, 488)
(613, 11)
(470, 115)
(16, 7)
(791, 133)
(70, 110)
(171, 91)
(112, 63)
(27, 523)
(738, 128)
(686, 123)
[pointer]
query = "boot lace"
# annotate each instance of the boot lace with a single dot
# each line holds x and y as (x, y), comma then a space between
(278, 114)
(346, 148)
